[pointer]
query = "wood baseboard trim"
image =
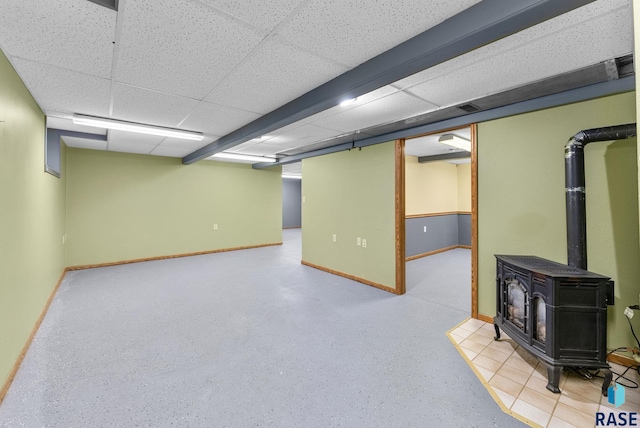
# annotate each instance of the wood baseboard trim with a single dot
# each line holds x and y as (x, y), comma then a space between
(349, 276)
(466, 247)
(485, 318)
(174, 256)
(623, 360)
(25, 348)
(431, 253)
(292, 227)
(437, 214)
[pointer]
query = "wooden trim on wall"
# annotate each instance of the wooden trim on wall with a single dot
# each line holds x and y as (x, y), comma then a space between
(292, 227)
(401, 266)
(485, 318)
(349, 276)
(431, 253)
(623, 360)
(174, 256)
(474, 221)
(437, 214)
(25, 348)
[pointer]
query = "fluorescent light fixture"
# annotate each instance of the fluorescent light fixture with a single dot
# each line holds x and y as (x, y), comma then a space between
(349, 101)
(297, 177)
(120, 125)
(238, 156)
(455, 141)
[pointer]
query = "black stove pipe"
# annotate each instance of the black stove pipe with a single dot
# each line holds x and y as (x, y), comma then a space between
(575, 186)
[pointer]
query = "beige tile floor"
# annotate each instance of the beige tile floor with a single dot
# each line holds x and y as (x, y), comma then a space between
(517, 381)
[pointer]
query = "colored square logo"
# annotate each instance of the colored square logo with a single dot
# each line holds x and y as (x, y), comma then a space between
(615, 395)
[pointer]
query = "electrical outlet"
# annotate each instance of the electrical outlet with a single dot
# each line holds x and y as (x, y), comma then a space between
(628, 312)
(358, 241)
(215, 226)
(364, 243)
(334, 238)
(425, 228)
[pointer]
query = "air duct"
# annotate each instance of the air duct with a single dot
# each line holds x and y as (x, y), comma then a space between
(575, 186)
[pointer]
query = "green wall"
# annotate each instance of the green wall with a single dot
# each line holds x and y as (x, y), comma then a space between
(351, 194)
(31, 218)
(521, 198)
(127, 206)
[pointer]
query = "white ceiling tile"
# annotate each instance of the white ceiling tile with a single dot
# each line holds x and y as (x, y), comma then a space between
(215, 119)
(587, 18)
(274, 75)
(64, 90)
(352, 32)
(178, 142)
(132, 142)
(292, 137)
(172, 152)
(84, 143)
(151, 107)
(127, 147)
(73, 34)
(383, 110)
(543, 57)
(264, 14)
(183, 48)
(362, 99)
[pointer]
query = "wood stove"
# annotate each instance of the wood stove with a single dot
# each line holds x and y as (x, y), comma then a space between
(557, 312)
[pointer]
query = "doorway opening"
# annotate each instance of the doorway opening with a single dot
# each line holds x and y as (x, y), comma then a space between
(440, 216)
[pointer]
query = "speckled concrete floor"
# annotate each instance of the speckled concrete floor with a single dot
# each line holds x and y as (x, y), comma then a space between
(249, 338)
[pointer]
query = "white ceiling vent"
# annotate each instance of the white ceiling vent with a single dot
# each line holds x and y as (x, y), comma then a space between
(111, 4)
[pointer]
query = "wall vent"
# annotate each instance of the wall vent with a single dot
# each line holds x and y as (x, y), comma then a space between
(469, 108)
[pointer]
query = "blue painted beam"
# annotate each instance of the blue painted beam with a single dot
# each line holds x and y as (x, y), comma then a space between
(483, 23)
(598, 90)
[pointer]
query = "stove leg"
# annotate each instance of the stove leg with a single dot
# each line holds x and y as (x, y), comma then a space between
(497, 336)
(608, 376)
(553, 376)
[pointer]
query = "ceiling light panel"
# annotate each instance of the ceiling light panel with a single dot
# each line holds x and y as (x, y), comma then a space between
(277, 72)
(84, 143)
(338, 31)
(186, 39)
(62, 90)
(76, 35)
(217, 119)
(152, 107)
(264, 14)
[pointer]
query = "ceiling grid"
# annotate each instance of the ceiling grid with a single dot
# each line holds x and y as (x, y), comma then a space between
(216, 66)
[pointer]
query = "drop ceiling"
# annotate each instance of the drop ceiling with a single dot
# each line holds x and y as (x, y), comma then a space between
(213, 66)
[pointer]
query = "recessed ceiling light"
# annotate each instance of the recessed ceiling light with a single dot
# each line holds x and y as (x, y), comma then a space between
(348, 102)
(120, 125)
